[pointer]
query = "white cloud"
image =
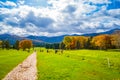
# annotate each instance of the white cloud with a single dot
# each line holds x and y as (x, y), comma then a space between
(114, 13)
(100, 30)
(8, 3)
(21, 2)
(100, 1)
(62, 17)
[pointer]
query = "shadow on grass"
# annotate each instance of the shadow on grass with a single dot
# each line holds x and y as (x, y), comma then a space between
(114, 50)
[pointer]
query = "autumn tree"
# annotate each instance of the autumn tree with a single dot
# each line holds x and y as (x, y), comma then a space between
(70, 42)
(75, 42)
(116, 40)
(0, 44)
(98, 42)
(83, 41)
(25, 44)
(67, 41)
(101, 41)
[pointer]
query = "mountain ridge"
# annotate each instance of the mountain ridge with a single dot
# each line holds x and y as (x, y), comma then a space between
(45, 39)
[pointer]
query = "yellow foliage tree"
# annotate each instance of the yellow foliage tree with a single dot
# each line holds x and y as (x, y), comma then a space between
(75, 42)
(67, 41)
(0, 44)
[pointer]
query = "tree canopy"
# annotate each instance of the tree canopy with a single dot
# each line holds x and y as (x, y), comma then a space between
(25, 44)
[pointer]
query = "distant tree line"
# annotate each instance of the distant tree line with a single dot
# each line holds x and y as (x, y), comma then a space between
(102, 42)
(23, 44)
(5, 44)
(51, 45)
(26, 44)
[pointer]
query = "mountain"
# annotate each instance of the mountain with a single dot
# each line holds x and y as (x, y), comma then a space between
(42, 39)
(48, 39)
(117, 32)
(13, 38)
(58, 39)
(107, 32)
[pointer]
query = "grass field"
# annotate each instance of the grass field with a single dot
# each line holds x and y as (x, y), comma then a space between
(10, 59)
(71, 65)
(79, 65)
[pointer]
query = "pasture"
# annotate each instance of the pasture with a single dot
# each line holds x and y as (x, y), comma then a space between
(79, 65)
(69, 65)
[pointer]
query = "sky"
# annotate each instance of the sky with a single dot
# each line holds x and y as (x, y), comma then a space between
(58, 17)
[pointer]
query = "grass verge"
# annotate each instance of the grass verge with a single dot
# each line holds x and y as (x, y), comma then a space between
(10, 59)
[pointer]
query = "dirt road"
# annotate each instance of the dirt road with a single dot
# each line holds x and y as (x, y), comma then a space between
(27, 70)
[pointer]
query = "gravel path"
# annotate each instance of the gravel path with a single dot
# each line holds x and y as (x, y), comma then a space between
(27, 70)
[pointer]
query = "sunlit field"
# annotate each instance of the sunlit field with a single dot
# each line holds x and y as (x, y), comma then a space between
(69, 65)
(10, 59)
(79, 65)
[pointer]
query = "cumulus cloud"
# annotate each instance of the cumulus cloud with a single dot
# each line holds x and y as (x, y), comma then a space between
(115, 13)
(7, 4)
(21, 2)
(58, 18)
(100, 1)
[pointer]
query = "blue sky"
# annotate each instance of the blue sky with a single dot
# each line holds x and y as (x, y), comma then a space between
(58, 17)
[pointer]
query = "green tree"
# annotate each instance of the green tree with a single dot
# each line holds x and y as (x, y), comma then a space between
(88, 43)
(62, 45)
(56, 45)
(16, 45)
(77, 44)
(3, 44)
(7, 44)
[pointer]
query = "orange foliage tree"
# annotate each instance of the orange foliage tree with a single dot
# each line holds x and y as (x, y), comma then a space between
(102, 41)
(116, 40)
(25, 44)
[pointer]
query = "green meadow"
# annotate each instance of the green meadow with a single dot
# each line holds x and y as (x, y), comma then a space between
(79, 65)
(10, 59)
(71, 65)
